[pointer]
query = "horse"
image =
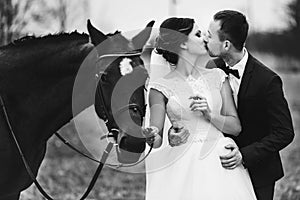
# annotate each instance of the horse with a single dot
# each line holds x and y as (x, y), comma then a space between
(42, 91)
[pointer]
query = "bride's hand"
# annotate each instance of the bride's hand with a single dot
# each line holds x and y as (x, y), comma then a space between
(151, 134)
(199, 104)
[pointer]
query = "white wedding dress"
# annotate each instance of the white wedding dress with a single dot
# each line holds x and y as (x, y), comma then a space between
(193, 170)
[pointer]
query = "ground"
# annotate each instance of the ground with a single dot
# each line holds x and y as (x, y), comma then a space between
(65, 175)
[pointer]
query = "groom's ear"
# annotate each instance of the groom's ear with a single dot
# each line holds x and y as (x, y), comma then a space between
(227, 45)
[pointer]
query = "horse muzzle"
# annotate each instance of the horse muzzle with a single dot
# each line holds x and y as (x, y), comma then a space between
(130, 148)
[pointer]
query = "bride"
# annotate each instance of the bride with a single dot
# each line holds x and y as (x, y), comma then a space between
(200, 106)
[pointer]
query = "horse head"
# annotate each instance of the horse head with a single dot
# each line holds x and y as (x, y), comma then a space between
(120, 98)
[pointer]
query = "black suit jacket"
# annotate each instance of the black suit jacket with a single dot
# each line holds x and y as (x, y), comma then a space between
(266, 121)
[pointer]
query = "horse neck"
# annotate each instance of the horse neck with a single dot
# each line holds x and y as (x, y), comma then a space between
(38, 93)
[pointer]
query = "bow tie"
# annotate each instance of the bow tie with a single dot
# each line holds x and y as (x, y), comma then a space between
(234, 72)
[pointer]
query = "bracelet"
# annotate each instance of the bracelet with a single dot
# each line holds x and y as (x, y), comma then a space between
(243, 163)
(154, 129)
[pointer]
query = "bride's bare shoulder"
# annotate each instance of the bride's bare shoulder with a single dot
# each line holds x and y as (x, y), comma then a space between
(206, 71)
(212, 71)
(170, 75)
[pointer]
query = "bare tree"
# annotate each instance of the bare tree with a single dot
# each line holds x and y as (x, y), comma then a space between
(6, 20)
(294, 13)
(19, 17)
(60, 13)
(10, 23)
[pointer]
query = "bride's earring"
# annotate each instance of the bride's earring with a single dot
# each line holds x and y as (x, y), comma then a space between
(184, 46)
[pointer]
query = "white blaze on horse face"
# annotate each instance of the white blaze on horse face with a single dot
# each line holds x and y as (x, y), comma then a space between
(125, 66)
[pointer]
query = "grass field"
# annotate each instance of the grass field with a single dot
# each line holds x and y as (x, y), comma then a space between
(288, 188)
(66, 175)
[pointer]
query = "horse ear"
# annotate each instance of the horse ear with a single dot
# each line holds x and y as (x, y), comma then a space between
(142, 37)
(96, 36)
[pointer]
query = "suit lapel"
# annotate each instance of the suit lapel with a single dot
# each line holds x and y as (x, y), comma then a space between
(246, 78)
(218, 62)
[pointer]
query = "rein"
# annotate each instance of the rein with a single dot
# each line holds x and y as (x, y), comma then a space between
(29, 171)
(97, 161)
(106, 151)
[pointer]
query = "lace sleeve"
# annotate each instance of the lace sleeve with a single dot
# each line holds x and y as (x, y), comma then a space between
(161, 88)
(221, 77)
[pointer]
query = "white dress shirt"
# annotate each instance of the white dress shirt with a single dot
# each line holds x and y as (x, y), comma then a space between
(235, 82)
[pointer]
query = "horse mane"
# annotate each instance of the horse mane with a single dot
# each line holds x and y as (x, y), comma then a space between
(50, 38)
(112, 34)
(59, 37)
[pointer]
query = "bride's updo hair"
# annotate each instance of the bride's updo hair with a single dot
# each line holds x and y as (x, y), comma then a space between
(172, 33)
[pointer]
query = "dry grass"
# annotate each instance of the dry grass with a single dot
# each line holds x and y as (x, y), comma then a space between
(65, 175)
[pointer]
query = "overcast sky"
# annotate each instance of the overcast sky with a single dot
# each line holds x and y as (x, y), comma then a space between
(133, 15)
(126, 15)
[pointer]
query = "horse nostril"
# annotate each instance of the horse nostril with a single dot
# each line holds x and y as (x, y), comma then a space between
(130, 149)
(132, 144)
(122, 141)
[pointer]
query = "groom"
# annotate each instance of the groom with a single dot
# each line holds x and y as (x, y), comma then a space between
(263, 111)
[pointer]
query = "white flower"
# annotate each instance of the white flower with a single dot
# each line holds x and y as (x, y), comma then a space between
(125, 66)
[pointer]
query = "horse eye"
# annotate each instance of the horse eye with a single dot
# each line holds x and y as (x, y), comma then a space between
(133, 64)
(104, 77)
(135, 110)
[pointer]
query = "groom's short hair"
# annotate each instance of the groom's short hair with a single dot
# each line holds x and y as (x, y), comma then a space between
(233, 27)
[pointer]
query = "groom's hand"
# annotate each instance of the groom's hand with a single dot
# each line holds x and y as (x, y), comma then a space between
(232, 159)
(177, 136)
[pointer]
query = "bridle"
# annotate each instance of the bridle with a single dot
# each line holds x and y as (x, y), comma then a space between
(108, 119)
(112, 131)
(106, 116)
(30, 172)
